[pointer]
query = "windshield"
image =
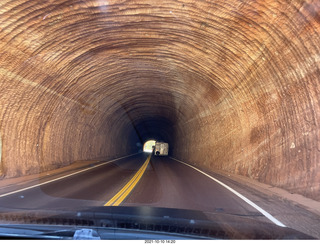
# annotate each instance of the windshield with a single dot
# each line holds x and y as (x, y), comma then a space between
(114, 111)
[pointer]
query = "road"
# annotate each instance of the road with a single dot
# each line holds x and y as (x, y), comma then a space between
(131, 181)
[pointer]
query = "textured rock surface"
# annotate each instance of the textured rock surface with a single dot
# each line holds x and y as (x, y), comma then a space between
(231, 85)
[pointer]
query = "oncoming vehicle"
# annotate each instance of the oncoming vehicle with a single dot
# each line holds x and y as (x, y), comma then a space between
(161, 149)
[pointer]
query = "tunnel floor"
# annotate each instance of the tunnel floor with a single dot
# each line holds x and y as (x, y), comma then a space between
(165, 183)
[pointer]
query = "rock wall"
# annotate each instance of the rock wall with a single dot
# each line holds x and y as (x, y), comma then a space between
(231, 85)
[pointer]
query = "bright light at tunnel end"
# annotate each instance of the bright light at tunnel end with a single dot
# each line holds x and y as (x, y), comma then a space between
(147, 147)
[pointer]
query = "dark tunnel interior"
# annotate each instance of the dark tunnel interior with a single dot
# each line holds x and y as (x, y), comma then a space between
(230, 85)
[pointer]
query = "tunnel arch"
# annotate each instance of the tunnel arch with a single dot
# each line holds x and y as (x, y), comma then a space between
(231, 86)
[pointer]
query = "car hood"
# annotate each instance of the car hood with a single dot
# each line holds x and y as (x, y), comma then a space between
(147, 222)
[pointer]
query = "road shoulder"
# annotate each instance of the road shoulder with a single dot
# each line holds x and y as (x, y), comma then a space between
(295, 211)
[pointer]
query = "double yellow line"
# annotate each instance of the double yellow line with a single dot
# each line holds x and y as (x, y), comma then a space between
(124, 192)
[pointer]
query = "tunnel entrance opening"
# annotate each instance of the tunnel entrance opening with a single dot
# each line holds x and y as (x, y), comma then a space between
(148, 146)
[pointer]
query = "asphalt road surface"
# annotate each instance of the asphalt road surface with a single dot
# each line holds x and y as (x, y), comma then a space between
(133, 181)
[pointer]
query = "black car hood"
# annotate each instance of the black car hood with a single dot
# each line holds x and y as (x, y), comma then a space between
(187, 223)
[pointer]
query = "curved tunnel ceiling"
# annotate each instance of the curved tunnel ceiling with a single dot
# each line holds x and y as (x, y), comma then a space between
(231, 85)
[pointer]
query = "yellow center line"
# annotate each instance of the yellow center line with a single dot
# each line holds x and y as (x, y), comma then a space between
(124, 192)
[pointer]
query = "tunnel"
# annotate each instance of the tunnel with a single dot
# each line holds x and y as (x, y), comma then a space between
(232, 86)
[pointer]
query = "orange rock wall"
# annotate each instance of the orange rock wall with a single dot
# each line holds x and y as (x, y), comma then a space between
(231, 85)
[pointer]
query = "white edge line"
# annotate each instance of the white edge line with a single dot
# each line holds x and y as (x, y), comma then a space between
(265, 213)
(65, 176)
